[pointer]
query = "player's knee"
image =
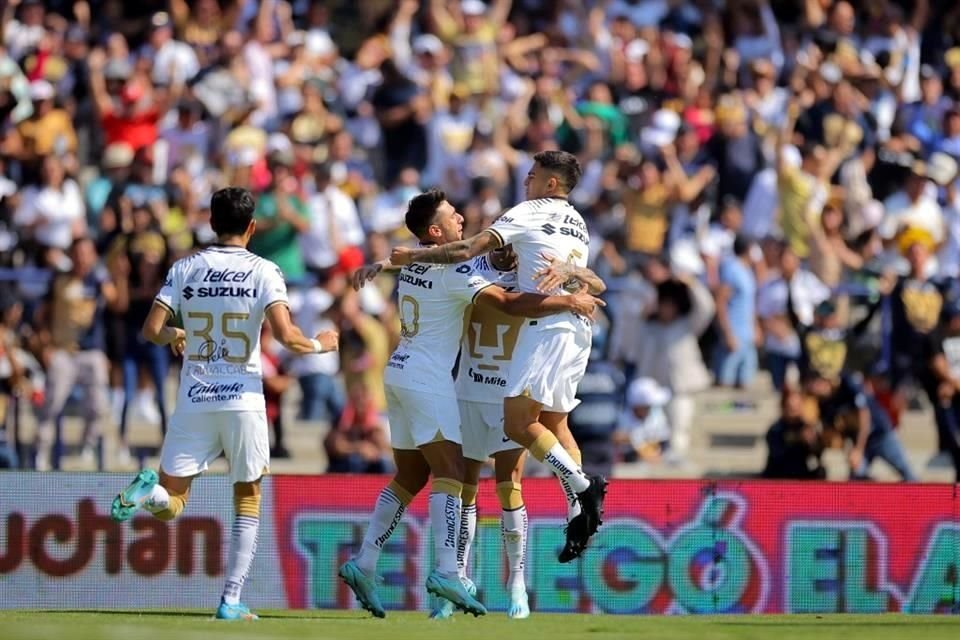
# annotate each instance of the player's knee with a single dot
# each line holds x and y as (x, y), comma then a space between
(509, 495)
(246, 499)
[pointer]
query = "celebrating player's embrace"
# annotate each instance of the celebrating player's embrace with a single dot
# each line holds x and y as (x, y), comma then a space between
(533, 362)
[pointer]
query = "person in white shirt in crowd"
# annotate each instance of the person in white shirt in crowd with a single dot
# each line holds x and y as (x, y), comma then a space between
(334, 223)
(643, 429)
(664, 347)
(54, 210)
(171, 61)
(786, 280)
(386, 214)
(915, 205)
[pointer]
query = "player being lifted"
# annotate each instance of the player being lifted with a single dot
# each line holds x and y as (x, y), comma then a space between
(489, 338)
(551, 354)
(223, 294)
(422, 400)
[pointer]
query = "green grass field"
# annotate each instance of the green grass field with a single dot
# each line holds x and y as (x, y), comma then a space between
(353, 625)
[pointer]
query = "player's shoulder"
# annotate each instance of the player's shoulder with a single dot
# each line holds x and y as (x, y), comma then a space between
(471, 274)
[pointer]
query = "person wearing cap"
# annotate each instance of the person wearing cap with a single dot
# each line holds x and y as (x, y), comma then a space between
(643, 427)
(848, 412)
(472, 32)
(914, 206)
(50, 128)
(135, 119)
(923, 119)
(941, 379)
(794, 441)
(913, 306)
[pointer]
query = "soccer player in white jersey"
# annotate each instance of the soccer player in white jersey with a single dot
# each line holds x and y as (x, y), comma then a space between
(223, 294)
(422, 400)
(551, 354)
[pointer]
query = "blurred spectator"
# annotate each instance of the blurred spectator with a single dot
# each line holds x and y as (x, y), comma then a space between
(735, 358)
(358, 443)
(282, 218)
(593, 422)
(49, 130)
(54, 211)
(12, 375)
(71, 341)
(848, 412)
(794, 442)
(664, 347)
(276, 382)
(334, 224)
(643, 429)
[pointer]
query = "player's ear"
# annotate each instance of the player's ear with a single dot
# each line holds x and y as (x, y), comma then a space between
(251, 228)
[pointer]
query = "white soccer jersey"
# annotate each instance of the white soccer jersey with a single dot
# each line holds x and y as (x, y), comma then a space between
(222, 294)
(489, 338)
(545, 227)
(432, 301)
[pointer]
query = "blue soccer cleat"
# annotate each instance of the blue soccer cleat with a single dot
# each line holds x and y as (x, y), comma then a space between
(131, 499)
(363, 586)
(444, 608)
(454, 590)
(237, 611)
(519, 605)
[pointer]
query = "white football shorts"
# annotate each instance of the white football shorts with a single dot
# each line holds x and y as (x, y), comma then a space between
(194, 440)
(547, 365)
(419, 417)
(481, 424)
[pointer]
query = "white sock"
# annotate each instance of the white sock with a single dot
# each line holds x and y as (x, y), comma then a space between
(468, 529)
(157, 500)
(445, 522)
(243, 545)
(513, 529)
(565, 468)
(573, 504)
(386, 516)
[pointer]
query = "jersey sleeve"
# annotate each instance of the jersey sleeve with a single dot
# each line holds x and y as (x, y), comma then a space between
(169, 294)
(509, 227)
(464, 282)
(273, 287)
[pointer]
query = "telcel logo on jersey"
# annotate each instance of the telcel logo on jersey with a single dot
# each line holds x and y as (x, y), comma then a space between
(220, 275)
(213, 392)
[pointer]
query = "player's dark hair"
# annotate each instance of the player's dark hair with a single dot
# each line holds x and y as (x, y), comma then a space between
(231, 210)
(563, 165)
(422, 209)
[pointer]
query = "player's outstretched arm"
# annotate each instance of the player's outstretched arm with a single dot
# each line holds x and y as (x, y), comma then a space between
(156, 330)
(450, 253)
(368, 272)
(292, 338)
(563, 274)
(531, 305)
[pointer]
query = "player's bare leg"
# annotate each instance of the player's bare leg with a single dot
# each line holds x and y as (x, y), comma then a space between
(525, 425)
(468, 530)
(359, 573)
(513, 526)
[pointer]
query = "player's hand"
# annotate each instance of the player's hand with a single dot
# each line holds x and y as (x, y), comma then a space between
(365, 274)
(401, 256)
(554, 275)
(584, 304)
(329, 340)
(179, 342)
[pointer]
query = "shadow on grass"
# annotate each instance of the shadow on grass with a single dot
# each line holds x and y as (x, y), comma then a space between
(198, 614)
(949, 621)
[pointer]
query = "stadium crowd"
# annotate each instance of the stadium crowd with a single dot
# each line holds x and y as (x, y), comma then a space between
(770, 188)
